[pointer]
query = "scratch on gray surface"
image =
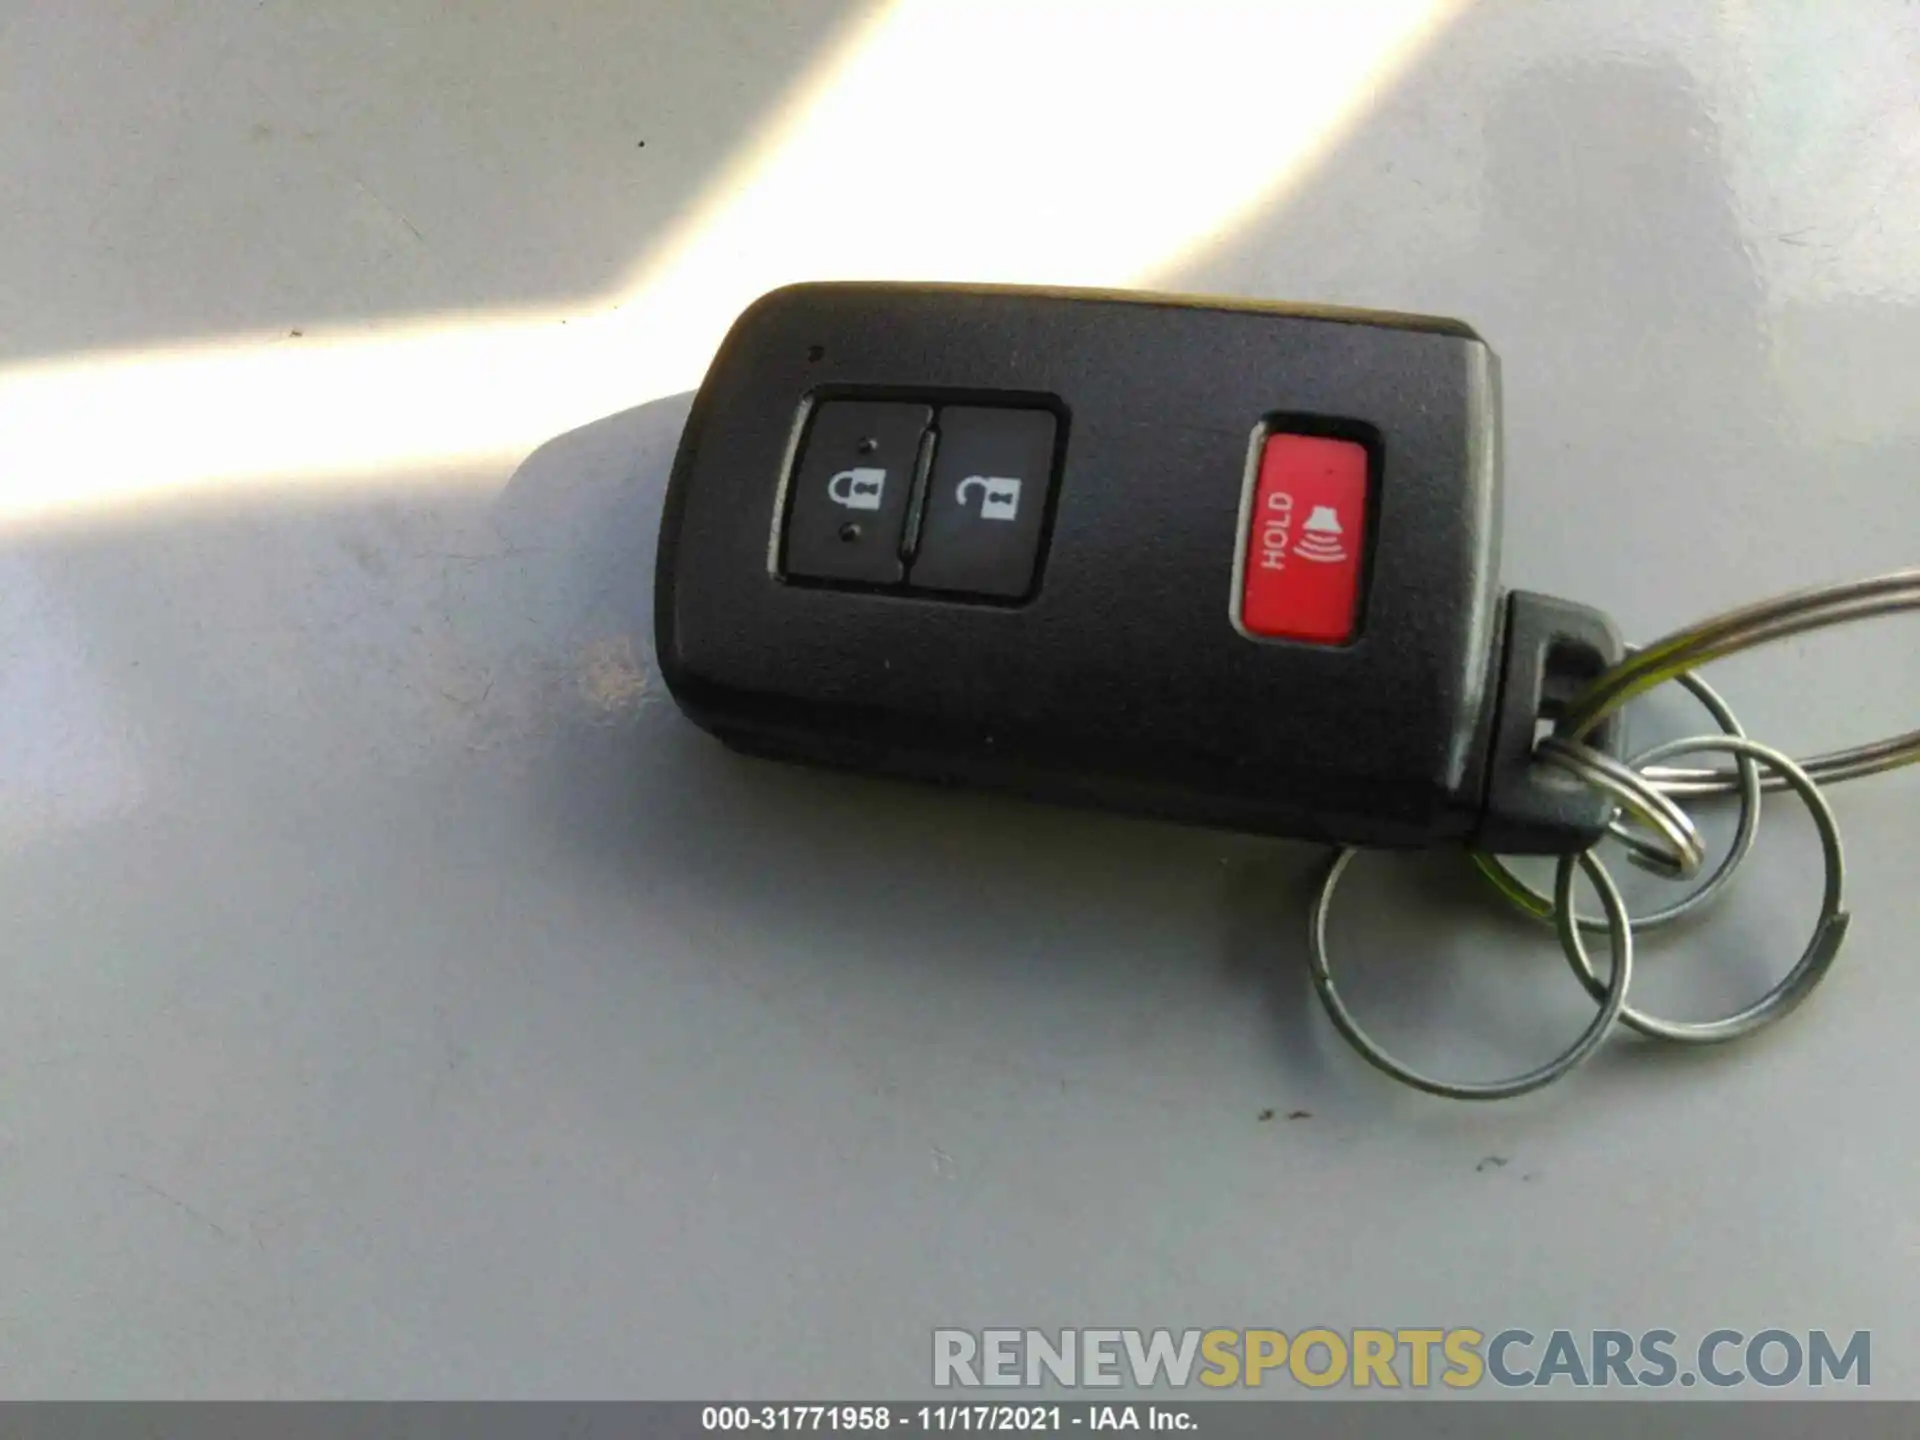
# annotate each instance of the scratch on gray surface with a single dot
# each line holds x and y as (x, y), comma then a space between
(267, 103)
(177, 1203)
(385, 205)
(505, 554)
(1564, 151)
(45, 1062)
(465, 702)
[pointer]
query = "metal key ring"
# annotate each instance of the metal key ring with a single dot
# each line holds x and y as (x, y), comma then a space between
(1639, 799)
(1874, 758)
(1829, 931)
(1747, 779)
(1743, 629)
(1613, 994)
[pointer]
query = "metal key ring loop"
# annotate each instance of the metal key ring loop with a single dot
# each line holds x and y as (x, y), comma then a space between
(1639, 799)
(1743, 629)
(1873, 758)
(1747, 778)
(1613, 994)
(1829, 931)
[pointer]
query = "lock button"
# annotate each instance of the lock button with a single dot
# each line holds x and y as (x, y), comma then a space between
(986, 502)
(851, 489)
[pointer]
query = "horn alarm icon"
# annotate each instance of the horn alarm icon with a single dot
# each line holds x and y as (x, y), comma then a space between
(1320, 537)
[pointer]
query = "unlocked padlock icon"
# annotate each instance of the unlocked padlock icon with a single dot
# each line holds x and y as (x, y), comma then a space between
(999, 496)
(858, 489)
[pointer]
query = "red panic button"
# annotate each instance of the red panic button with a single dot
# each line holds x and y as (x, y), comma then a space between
(1305, 536)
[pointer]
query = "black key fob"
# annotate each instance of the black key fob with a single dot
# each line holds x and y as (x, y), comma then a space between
(1223, 563)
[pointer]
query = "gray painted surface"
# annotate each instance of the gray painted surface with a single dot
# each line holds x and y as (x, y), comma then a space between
(402, 999)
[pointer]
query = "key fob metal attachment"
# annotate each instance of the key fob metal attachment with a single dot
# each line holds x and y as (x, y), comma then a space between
(1223, 563)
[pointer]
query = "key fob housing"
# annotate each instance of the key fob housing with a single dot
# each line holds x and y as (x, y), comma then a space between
(1004, 537)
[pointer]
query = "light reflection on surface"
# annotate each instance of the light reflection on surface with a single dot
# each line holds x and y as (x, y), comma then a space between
(1110, 142)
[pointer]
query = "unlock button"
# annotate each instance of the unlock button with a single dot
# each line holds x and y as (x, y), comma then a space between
(986, 502)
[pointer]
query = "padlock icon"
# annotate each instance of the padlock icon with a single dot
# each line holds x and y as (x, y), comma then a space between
(858, 489)
(999, 496)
